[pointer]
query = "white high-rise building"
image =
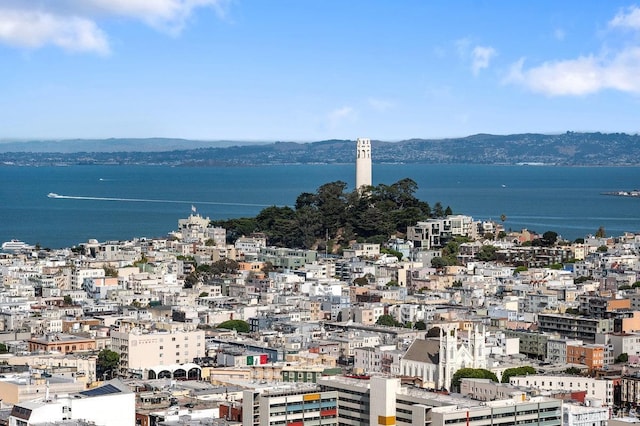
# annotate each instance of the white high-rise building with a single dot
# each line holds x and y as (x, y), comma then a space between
(363, 163)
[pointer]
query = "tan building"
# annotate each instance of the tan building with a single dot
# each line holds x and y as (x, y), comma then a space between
(60, 342)
(27, 387)
(84, 365)
(142, 350)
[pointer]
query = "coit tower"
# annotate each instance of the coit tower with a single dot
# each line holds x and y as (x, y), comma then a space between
(363, 163)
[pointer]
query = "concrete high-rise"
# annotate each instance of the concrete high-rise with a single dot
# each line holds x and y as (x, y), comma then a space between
(363, 163)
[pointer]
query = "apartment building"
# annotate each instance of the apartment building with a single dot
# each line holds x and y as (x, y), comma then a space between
(530, 343)
(627, 343)
(142, 351)
(557, 350)
(429, 234)
(292, 405)
(574, 327)
(598, 388)
(383, 401)
(287, 258)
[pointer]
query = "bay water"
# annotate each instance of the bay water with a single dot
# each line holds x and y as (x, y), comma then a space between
(123, 202)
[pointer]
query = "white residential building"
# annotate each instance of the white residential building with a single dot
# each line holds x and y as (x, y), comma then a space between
(601, 389)
(112, 404)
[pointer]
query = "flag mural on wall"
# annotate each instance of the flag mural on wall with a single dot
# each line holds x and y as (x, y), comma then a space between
(257, 359)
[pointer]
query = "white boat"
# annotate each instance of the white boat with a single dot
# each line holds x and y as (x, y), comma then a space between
(16, 245)
(53, 195)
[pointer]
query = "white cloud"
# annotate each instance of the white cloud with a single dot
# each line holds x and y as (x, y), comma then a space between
(339, 115)
(34, 29)
(582, 76)
(380, 105)
(609, 70)
(74, 24)
(481, 56)
(629, 19)
(167, 15)
(559, 34)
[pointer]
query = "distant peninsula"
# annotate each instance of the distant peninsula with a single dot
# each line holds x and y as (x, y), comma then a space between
(566, 149)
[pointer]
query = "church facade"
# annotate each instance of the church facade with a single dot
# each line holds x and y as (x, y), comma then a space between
(436, 358)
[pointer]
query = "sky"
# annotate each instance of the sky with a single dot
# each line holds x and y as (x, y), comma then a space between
(308, 70)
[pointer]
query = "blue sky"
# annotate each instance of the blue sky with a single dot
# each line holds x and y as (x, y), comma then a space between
(308, 70)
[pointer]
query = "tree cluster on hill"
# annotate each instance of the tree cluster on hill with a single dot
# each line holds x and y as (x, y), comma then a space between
(370, 215)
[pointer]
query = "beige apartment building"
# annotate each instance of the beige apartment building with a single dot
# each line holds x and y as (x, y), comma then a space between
(144, 350)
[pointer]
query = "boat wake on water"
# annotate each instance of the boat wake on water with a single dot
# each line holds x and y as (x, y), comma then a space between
(147, 200)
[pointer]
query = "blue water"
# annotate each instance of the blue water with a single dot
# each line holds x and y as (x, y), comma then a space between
(150, 199)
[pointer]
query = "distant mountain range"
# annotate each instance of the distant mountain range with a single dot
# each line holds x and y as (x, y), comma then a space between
(571, 148)
(113, 145)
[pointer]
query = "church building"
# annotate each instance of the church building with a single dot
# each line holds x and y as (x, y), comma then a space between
(437, 357)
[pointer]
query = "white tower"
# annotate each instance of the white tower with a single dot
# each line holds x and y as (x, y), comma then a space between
(363, 163)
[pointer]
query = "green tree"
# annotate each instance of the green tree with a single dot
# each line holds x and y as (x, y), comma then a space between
(438, 210)
(361, 281)
(224, 266)
(237, 227)
(600, 233)
(420, 325)
(487, 253)
(107, 363)
(331, 203)
(191, 280)
(574, 371)
(268, 267)
(110, 271)
(451, 250)
(388, 321)
(3, 348)
(238, 325)
(392, 283)
(438, 263)
(519, 269)
(623, 357)
(549, 238)
(475, 373)
(392, 252)
(636, 284)
(67, 300)
(517, 371)
(602, 249)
